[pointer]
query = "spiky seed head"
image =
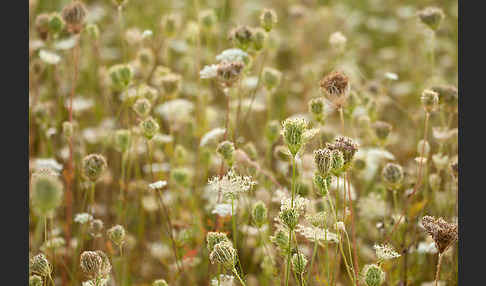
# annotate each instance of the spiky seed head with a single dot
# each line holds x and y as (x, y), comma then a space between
(229, 72)
(149, 127)
(322, 183)
(373, 275)
(432, 17)
(268, 18)
(323, 161)
(35, 280)
(93, 166)
(67, 129)
(347, 146)
(142, 107)
(293, 130)
(148, 92)
(382, 129)
(47, 191)
(93, 31)
(258, 39)
(335, 87)
(122, 140)
(105, 265)
(56, 23)
(213, 238)
(171, 83)
(423, 147)
(430, 100)
(116, 234)
(448, 94)
(259, 214)
(299, 262)
(271, 78)
(392, 174)
(443, 233)
(207, 18)
(316, 108)
(121, 76)
(226, 149)
(337, 161)
(74, 14)
(241, 37)
(40, 265)
(90, 263)
(281, 239)
(42, 25)
(160, 282)
(282, 153)
(272, 131)
(290, 217)
(223, 253)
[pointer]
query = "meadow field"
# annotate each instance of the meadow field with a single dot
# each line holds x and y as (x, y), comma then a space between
(243, 142)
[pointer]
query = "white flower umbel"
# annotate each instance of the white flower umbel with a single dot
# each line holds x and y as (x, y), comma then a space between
(222, 210)
(232, 55)
(157, 185)
(47, 163)
(300, 204)
(209, 72)
(385, 252)
(231, 185)
(312, 233)
(83, 218)
(212, 136)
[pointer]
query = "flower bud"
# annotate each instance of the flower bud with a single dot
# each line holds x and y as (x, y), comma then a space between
(392, 174)
(74, 14)
(116, 234)
(322, 183)
(259, 214)
(226, 150)
(316, 108)
(258, 39)
(299, 262)
(430, 100)
(432, 17)
(93, 166)
(142, 107)
(373, 275)
(47, 191)
(271, 78)
(149, 127)
(121, 76)
(40, 265)
(268, 18)
(56, 24)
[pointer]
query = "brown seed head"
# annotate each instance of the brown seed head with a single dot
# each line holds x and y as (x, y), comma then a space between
(74, 14)
(335, 86)
(443, 233)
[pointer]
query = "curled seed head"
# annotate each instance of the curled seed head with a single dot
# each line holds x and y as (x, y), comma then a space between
(229, 72)
(213, 238)
(322, 183)
(93, 166)
(226, 149)
(299, 262)
(347, 146)
(74, 14)
(116, 234)
(336, 87)
(373, 275)
(293, 130)
(259, 214)
(40, 265)
(448, 94)
(323, 161)
(337, 161)
(90, 263)
(392, 174)
(443, 233)
(35, 280)
(149, 127)
(223, 253)
(121, 76)
(290, 217)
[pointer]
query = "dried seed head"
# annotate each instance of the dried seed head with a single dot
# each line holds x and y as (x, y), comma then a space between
(241, 37)
(95, 227)
(160, 282)
(281, 239)
(347, 146)
(42, 25)
(149, 127)
(430, 100)
(122, 140)
(392, 174)
(443, 233)
(322, 183)
(268, 19)
(336, 87)
(432, 17)
(40, 265)
(259, 214)
(93, 166)
(74, 14)
(316, 108)
(213, 238)
(142, 107)
(229, 72)
(90, 263)
(35, 280)
(47, 191)
(299, 262)
(116, 234)
(373, 275)
(226, 149)
(272, 131)
(223, 253)
(323, 160)
(448, 94)
(121, 76)
(382, 129)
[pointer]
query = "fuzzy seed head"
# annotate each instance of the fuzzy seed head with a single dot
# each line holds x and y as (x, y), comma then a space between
(372, 275)
(347, 146)
(93, 166)
(223, 253)
(74, 14)
(430, 100)
(229, 72)
(290, 217)
(323, 161)
(90, 263)
(149, 127)
(47, 191)
(259, 214)
(116, 234)
(432, 17)
(392, 174)
(336, 87)
(337, 161)
(142, 107)
(226, 149)
(382, 129)
(40, 265)
(448, 94)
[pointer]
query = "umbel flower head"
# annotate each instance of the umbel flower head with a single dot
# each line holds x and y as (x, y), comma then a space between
(392, 174)
(74, 14)
(229, 72)
(348, 148)
(335, 87)
(160, 282)
(40, 265)
(116, 234)
(385, 252)
(259, 214)
(231, 185)
(93, 166)
(432, 17)
(149, 127)
(47, 191)
(296, 134)
(224, 253)
(373, 275)
(443, 233)
(213, 238)
(299, 262)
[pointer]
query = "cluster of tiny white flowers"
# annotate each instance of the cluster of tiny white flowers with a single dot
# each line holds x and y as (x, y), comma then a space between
(209, 72)
(222, 210)
(231, 184)
(384, 252)
(312, 233)
(232, 55)
(83, 218)
(157, 185)
(300, 204)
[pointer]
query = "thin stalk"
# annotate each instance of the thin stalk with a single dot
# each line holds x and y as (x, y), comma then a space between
(312, 259)
(287, 271)
(92, 197)
(437, 274)
(238, 276)
(233, 221)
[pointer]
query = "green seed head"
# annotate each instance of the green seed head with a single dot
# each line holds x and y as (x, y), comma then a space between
(323, 160)
(299, 262)
(322, 183)
(223, 253)
(35, 280)
(290, 217)
(116, 234)
(122, 140)
(93, 31)
(142, 107)
(56, 24)
(149, 127)
(293, 130)
(93, 166)
(121, 76)
(47, 191)
(268, 19)
(316, 108)
(373, 275)
(241, 37)
(392, 174)
(91, 264)
(40, 265)
(226, 150)
(258, 39)
(271, 78)
(259, 214)
(213, 238)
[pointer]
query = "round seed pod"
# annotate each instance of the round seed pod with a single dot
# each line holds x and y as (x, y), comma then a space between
(142, 107)
(241, 37)
(90, 263)
(373, 275)
(293, 133)
(40, 265)
(226, 150)
(323, 160)
(121, 76)
(430, 100)
(149, 127)
(392, 174)
(213, 238)
(259, 214)
(299, 262)
(116, 234)
(93, 166)
(35, 280)
(122, 140)
(47, 191)
(74, 15)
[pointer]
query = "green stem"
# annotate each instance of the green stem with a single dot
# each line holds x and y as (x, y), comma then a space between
(233, 222)
(238, 276)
